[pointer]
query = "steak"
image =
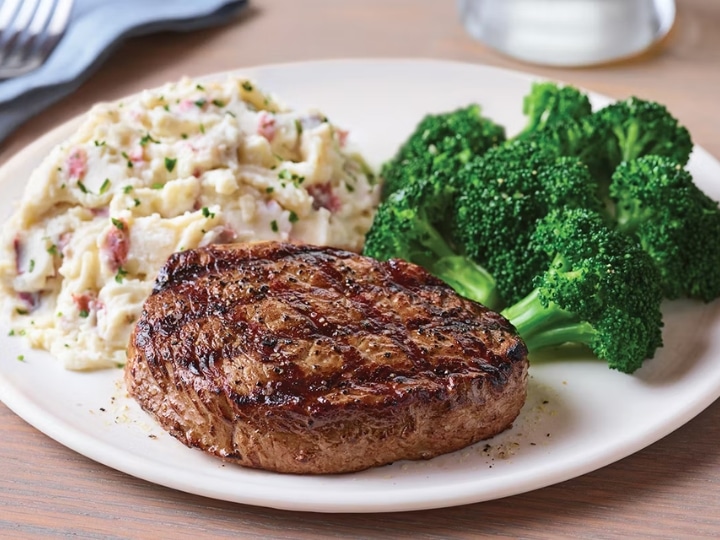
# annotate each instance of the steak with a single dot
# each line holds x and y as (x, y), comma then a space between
(304, 359)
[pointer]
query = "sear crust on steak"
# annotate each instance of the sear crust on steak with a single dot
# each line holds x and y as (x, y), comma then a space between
(304, 359)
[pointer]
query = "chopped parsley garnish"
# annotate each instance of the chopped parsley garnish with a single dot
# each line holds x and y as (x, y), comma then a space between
(129, 163)
(207, 213)
(21, 357)
(274, 226)
(137, 202)
(32, 265)
(298, 127)
(11, 332)
(121, 273)
(127, 189)
(52, 250)
(147, 138)
(184, 135)
(157, 185)
(84, 313)
(269, 189)
(82, 187)
(99, 143)
(200, 103)
(287, 175)
(118, 223)
(166, 107)
(247, 86)
(105, 186)
(21, 311)
(199, 86)
(293, 217)
(170, 163)
(218, 103)
(349, 187)
(202, 129)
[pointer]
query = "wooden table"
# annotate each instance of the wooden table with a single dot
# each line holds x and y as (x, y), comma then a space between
(669, 490)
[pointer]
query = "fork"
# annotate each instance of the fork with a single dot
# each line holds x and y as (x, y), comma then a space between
(29, 31)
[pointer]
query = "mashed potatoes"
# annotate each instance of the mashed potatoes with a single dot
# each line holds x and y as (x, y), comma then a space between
(170, 169)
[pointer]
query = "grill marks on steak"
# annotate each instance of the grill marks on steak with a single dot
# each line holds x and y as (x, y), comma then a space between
(297, 358)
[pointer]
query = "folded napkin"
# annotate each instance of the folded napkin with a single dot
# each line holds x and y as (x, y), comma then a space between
(95, 28)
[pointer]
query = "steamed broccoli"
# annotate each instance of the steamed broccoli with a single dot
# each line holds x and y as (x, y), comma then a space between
(639, 128)
(622, 131)
(441, 141)
(599, 289)
(657, 202)
(583, 222)
(404, 227)
(561, 122)
(549, 105)
(504, 193)
(584, 139)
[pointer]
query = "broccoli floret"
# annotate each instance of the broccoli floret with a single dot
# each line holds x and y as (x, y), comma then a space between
(404, 227)
(622, 131)
(657, 202)
(441, 141)
(585, 139)
(549, 105)
(503, 194)
(599, 289)
(640, 128)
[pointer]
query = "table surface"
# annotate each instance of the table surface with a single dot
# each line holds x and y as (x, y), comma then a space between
(668, 490)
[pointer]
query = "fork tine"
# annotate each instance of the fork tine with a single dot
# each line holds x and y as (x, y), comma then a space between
(32, 35)
(58, 23)
(25, 44)
(41, 17)
(32, 40)
(7, 12)
(22, 18)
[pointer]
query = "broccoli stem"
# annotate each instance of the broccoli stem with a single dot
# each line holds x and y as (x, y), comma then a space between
(541, 325)
(628, 141)
(468, 279)
(572, 332)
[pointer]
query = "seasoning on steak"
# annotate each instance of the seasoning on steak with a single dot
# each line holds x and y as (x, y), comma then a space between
(304, 359)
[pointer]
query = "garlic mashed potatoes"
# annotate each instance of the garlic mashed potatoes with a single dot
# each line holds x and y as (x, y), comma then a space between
(181, 166)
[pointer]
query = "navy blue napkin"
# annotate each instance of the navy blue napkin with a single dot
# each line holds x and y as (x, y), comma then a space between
(96, 27)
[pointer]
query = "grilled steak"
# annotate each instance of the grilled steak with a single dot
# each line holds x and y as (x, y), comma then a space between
(303, 359)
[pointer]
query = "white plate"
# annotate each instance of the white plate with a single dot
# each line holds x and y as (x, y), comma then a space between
(580, 415)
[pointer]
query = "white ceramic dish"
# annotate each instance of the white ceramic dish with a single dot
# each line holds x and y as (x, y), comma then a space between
(579, 417)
